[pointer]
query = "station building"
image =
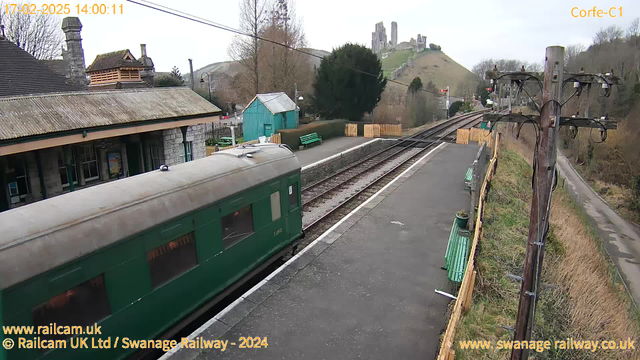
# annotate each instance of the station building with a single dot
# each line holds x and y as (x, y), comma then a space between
(59, 133)
(268, 113)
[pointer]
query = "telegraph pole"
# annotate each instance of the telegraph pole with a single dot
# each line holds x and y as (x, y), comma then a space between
(541, 199)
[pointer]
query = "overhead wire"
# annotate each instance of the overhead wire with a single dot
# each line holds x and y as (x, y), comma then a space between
(187, 16)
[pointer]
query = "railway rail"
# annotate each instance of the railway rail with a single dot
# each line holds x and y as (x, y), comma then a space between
(328, 200)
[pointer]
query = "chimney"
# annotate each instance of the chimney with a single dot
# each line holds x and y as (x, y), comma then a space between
(74, 55)
(149, 70)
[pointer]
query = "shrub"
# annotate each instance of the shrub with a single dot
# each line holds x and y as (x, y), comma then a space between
(326, 130)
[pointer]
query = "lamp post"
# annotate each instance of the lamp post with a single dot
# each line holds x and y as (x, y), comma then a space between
(208, 82)
(296, 98)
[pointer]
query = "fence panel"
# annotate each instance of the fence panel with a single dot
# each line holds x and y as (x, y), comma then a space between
(276, 138)
(351, 130)
(390, 130)
(372, 130)
(462, 136)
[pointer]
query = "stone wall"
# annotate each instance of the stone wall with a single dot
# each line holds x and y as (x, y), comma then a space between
(328, 167)
(174, 148)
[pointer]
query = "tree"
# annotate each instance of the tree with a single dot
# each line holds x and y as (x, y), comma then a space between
(281, 68)
(167, 81)
(482, 67)
(610, 34)
(246, 50)
(415, 86)
(433, 46)
(454, 108)
(175, 73)
(634, 28)
(340, 91)
(571, 53)
(38, 34)
(482, 92)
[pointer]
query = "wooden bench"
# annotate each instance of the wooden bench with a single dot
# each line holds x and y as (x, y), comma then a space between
(310, 139)
(468, 177)
(457, 254)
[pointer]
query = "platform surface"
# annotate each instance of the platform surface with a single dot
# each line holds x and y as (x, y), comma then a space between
(327, 148)
(364, 289)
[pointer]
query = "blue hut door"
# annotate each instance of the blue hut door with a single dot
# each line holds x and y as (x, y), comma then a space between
(268, 129)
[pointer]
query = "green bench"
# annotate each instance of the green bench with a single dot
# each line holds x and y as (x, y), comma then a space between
(310, 139)
(457, 254)
(468, 177)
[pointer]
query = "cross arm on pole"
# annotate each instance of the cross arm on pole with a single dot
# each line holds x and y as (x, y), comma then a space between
(597, 123)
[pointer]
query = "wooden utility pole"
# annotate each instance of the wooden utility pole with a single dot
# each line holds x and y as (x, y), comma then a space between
(541, 200)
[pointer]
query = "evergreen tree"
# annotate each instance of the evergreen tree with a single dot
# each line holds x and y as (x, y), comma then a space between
(342, 92)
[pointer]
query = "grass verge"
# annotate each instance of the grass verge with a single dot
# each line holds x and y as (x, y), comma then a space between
(583, 298)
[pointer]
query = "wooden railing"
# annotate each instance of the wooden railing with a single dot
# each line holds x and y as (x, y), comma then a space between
(463, 301)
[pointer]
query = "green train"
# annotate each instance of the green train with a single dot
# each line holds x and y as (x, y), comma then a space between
(139, 255)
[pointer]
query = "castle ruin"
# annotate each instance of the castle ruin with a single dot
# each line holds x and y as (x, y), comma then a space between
(380, 45)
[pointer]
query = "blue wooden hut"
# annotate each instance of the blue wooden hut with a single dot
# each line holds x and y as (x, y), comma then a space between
(268, 113)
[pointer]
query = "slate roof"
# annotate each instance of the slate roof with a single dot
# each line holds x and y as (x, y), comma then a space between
(277, 102)
(25, 116)
(114, 60)
(58, 66)
(23, 74)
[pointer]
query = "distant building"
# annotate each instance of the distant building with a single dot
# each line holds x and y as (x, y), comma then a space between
(116, 70)
(268, 113)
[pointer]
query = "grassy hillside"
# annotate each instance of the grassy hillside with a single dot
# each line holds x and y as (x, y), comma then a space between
(434, 66)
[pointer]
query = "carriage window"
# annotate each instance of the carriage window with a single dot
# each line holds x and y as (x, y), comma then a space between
(236, 226)
(172, 259)
(82, 305)
(293, 195)
(275, 206)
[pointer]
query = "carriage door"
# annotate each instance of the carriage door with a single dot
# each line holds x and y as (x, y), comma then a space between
(294, 208)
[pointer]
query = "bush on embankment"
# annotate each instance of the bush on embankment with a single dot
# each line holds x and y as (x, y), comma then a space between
(585, 300)
(326, 130)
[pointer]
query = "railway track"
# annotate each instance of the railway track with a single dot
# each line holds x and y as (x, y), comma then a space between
(332, 198)
(328, 200)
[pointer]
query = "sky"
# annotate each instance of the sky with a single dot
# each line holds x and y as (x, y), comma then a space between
(468, 31)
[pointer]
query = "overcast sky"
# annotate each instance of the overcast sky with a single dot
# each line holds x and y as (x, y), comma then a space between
(468, 31)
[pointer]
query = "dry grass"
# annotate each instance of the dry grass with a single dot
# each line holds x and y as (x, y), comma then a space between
(414, 130)
(586, 299)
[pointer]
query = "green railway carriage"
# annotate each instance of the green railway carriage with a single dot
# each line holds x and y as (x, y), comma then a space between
(140, 254)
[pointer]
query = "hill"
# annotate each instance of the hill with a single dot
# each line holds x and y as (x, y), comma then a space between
(429, 65)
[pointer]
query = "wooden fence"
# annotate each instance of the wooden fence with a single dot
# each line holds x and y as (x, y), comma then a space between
(462, 136)
(390, 130)
(351, 130)
(372, 130)
(477, 134)
(463, 301)
(274, 139)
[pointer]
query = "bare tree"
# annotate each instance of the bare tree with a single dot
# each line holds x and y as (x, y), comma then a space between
(482, 67)
(610, 34)
(246, 49)
(634, 28)
(571, 52)
(38, 34)
(284, 67)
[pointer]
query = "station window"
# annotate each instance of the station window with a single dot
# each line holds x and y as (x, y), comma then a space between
(237, 226)
(293, 195)
(82, 305)
(62, 167)
(275, 206)
(89, 161)
(172, 259)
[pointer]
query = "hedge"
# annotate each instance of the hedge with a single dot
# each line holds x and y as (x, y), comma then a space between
(326, 130)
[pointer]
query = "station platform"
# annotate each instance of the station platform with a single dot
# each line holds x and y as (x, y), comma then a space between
(363, 289)
(328, 148)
